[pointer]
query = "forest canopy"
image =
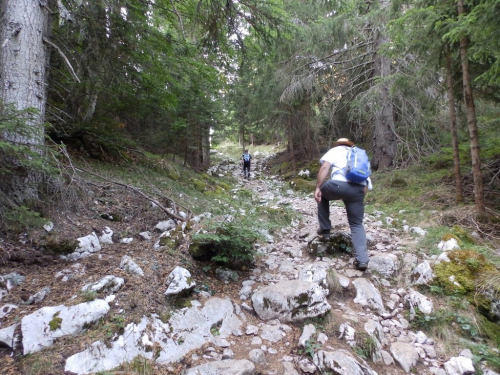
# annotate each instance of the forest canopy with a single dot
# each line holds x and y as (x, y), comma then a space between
(112, 78)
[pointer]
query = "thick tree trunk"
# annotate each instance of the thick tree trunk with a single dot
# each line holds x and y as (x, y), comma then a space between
(453, 124)
(385, 146)
(23, 24)
(471, 123)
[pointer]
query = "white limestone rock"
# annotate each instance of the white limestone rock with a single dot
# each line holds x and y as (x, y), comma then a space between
(145, 236)
(459, 366)
(108, 283)
(315, 273)
(228, 366)
(130, 266)
(48, 226)
(307, 333)
(179, 281)
(422, 274)
(7, 335)
(86, 246)
(424, 303)
(341, 362)
(164, 226)
(385, 264)
(42, 327)
(107, 236)
(288, 369)
(274, 332)
(192, 325)
(368, 295)
(448, 245)
(290, 301)
(405, 355)
(257, 356)
(38, 296)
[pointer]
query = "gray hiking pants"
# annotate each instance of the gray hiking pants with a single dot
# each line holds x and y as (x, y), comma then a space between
(353, 197)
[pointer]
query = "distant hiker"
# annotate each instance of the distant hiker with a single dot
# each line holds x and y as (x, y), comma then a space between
(246, 162)
(338, 187)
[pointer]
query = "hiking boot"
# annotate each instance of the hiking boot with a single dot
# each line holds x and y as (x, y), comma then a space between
(325, 233)
(360, 266)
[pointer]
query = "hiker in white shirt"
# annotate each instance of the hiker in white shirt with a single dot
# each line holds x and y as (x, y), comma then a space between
(335, 186)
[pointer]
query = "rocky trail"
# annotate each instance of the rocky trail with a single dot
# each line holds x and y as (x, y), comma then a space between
(303, 308)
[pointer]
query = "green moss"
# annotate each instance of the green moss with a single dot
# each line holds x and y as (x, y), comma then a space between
(56, 322)
(199, 185)
(305, 186)
(460, 275)
(462, 234)
(174, 239)
(172, 172)
(449, 236)
(225, 186)
(60, 246)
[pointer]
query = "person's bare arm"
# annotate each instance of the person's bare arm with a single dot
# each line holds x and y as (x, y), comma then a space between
(322, 176)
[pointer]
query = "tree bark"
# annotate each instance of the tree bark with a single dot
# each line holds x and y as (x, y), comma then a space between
(23, 25)
(205, 145)
(471, 123)
(290, 141)
(385, 145)
(453, 124)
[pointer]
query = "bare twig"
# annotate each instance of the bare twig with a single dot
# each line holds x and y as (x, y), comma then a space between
(64, 57)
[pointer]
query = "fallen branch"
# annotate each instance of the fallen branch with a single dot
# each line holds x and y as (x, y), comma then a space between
(169, 212)
(68, 64)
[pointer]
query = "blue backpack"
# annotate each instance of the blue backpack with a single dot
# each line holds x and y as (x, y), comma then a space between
(358, 167)
(246, 157)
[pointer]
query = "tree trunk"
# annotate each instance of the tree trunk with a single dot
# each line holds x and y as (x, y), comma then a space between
(453, 125)
(205, 145)
(290, 141)
(23, 24)
(471, 123)
(385, 145)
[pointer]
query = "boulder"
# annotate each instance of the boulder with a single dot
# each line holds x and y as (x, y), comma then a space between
(290, 301)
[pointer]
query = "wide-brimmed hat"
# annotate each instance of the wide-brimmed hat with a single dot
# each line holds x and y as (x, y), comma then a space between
(343, 141)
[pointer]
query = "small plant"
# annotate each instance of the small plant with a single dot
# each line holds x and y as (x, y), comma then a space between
(215, 331)
(230, 243)
(366, 346)
(56, 322)
(309, 348)
(89, 295)
(21, 217)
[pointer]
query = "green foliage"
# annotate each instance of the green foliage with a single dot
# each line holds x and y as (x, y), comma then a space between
(22, 141)
(461, 274)
(366, 346)
(88, 295)
(21, 217)
(230, 242)
(215, 331)
(309, 349)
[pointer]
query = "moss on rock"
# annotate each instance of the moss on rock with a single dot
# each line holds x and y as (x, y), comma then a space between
(459, 276)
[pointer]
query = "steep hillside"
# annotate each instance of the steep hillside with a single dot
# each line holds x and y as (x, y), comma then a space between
(380, 321)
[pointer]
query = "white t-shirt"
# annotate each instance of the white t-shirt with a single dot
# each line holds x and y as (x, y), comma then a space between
(337, 157)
